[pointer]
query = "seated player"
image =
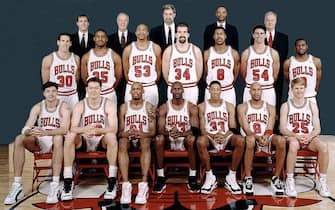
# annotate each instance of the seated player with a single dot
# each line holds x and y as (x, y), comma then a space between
(300, 124)
(93, 127)
(178, 123)
(257, 119)
(217, 125)
(137, 120)
(53, 120)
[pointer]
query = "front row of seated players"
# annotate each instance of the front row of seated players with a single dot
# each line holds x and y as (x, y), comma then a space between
(299, 124)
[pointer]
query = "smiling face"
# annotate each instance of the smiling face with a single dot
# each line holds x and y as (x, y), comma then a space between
(142, 32)
(82, 23)
(100, 38)
(270, 21)
(50, 93)
(259, 35)
(122, 21)
(301, 47)
(256, 91)
(168, 16)
(215, 91)
(64, 43)
(182, 34)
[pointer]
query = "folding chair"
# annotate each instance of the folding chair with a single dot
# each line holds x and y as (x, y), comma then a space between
(41, 162)
(261, 160)
(176, 159)
(308, 161)
(80, 156)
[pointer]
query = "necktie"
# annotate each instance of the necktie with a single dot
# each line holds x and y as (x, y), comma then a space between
(123, 40)
(82, 42)
(270, 39)
(169, 36)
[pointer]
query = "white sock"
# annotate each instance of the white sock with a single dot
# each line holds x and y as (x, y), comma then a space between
(18, 179)
(112, 171)
(323, 176)
(193, 172)
(68, 172)
(233, 173)
(55, 179)
(160, 172)
(289, 175)
(210, 172)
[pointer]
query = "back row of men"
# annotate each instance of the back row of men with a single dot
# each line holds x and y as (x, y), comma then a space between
(181, 125)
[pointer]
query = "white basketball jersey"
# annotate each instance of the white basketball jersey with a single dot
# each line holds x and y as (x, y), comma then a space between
(96, 117)
(136, 118)
(63, 72)
(102, 68)
(258, 118)
(220, 67)
(142, 64)
(216, 118)
(307, 71)
(299, 119)
(49, 120)
(259, 68)
(182, 67)
(178, 118)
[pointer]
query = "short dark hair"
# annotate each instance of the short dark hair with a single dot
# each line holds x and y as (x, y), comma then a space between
(183, 24)
(49, 84)
(94, 79)
(101, 29)
(258, 27)
(83, 15)
(299, 39)
(63, 34)
(214, 82)
(220, 27)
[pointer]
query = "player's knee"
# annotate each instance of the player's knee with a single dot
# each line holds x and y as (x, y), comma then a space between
(159, 141)
(190, 140)
(202, 142)
(145, 144)
(293, 146)
(281, 143)
(250, 142)
(19, 139)
(240, 141)
(323, 148)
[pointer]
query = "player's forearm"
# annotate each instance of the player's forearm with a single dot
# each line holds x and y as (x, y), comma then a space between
(57, 131)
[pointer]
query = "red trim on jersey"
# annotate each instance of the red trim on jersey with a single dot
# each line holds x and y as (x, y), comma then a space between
(107, 91)
(66, 93)
(225, 88)
(264, 87)
(185, 85)
(130, 82)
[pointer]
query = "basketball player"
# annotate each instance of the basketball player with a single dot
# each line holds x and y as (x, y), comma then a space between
(257, 119)
(182, 62)
(306, 66)
(260, 63)
(178, 123)
(300, 124)
(53, 120)
(63, 68)
(137, 122)
(93, 127)
(222, 64)
(142, 63)
(103, 63)
(217, 125)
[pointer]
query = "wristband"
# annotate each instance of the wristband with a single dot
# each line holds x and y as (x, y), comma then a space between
(24, 129)
(268, 132)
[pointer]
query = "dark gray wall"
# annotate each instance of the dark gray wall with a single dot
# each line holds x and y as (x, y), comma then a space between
(30, 28)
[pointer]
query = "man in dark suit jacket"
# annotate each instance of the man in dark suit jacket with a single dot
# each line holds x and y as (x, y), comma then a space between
(117, 44)
(82, 42)
(231, 31)
(160, 35)
(280, 43)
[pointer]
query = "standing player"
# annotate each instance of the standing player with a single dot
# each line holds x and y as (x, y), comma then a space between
(257, 119)
(306, 66)
(93, 126)
(217, 123)
(137, 127)
(178, 123)
(182, 62)
(62, 67)
(142, 63)
(103, 63)
(53, 120)
(300, 123)
(222, 64)
(260, 63)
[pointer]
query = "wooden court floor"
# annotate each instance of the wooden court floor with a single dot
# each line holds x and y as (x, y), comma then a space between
(220, 199)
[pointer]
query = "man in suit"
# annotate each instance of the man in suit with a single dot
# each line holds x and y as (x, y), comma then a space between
(164, 35)
(279, 42)
(231, 31)
(118, 41)
(82, 42)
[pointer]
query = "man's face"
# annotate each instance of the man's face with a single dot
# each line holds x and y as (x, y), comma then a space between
(64, 43)
(259, 36)
(301, 47)
(136, 91)
(256, 92)
(50, 94)
(219, 36)
(182, 34)
(168, 16)
(298, 91)
(270, 21)
(215, 91)
(177, 90)
(221, 14)
(100, 39)
(141, 32)
(122, 22)
(93, 90)
(82, 23)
